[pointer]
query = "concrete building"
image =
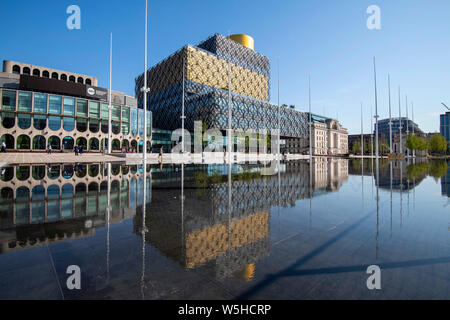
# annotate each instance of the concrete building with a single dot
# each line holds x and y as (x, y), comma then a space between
(328, 137)
(43, 106)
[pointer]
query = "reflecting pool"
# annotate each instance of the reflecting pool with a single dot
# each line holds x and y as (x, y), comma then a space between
(226, 232)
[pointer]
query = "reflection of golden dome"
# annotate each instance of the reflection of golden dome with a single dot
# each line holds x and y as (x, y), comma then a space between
(249, 271)
(244, 40)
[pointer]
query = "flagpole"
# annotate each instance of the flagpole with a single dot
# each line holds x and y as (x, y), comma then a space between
(144, 148)
(376, 111)
(110, 95)
(362, 132)
(278, 143)
(400, 121)
(407, 125)
(390, 115)
(310, 118)
(182, 114)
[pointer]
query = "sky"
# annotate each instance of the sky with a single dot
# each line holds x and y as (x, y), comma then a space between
(327, 40)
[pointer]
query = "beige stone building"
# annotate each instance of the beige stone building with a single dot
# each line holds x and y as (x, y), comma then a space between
(329, 138)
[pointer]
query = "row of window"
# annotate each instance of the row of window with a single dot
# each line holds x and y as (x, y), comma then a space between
(45, 74)
(55, 106)
(54, 172)
(24, 142)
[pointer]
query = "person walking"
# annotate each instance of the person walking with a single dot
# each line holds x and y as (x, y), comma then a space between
(49, 149)
(3, 146)
(160, 155)
(76, 150)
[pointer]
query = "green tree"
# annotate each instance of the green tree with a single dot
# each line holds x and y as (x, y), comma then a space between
(437, 143)
(292, 106)
(284, 105)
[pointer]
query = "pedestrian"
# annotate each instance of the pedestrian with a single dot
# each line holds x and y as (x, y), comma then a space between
(49, 149)
(160, 154)
(76, 150)
(3, 146)
(81, 150)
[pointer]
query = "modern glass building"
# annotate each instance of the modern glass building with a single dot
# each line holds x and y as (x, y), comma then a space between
(38, 111)
(445, 127)
(205, 70)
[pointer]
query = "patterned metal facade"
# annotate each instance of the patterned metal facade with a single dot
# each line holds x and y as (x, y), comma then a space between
(206, 90)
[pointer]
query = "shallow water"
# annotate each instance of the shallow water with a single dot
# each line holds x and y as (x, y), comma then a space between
(305, 233)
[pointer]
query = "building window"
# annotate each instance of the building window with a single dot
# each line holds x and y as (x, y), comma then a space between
(8, 120)
(115, 113)
(88, 82)
(54, 104)
(69, 106)
(54, 123)
(93, 125)
(36, 73)
(94, 111)
(64, 77)
(9, 141)
(23, 142)
(9, 100)
(115, 127)
(104, 111)
(82, 142)
(81, 124)
(115, 146)
(80, 80)
(68, 123)
(55, 142)
(40, 102)
(39, 143)
(24, 103)
(68, 143)
(26, 71)
(125, 128)
(24, 120)
(45, 74)
(133, 122)
(16, 69)
(104, 125)
(72, 79)
(23, 173)
(94, 144)
(39, 122)
(141, 122)
(82, 108)
(55, 75)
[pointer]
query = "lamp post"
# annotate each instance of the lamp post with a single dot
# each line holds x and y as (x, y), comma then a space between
(390, 115)
(310, 118)
(400, 122)
(145, 89)
(376, 112)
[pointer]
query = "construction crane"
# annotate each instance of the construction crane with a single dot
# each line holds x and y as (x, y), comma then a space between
(446, 106)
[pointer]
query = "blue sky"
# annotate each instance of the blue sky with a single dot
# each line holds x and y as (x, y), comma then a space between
(327, 39)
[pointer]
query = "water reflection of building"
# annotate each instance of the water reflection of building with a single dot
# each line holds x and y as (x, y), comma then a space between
(329, 174)
(207, 234)
(39, 204)
(445, 183)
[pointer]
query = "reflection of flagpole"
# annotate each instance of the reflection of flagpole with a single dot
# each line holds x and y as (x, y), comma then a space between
(144, 147)
(108, 215)
(144, 229)
(401, 192)
(390, 170)
(390, 115)
(182, 208)
(362, 132)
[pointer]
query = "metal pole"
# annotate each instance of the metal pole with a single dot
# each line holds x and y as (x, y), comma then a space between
(407, 125)
(182, 114)
(376, 113)
(371, 132)
(362, 132)
(390, 116)
(310, 118)
(144, 148)
(412, 107)
(400, 121)
(110, 95)
(230, 114)
(278, 143)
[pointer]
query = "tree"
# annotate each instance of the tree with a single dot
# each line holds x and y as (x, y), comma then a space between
(356, 148)
(284, 105)
(437, 143)
(292, 106)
